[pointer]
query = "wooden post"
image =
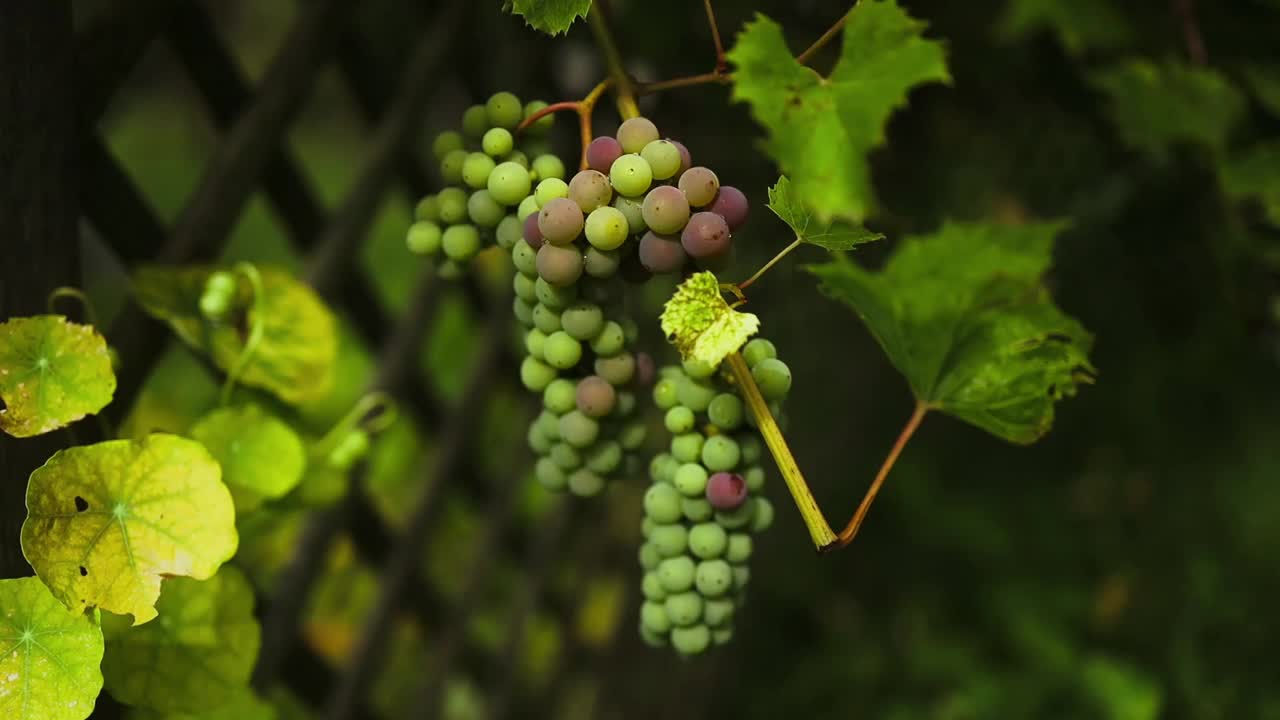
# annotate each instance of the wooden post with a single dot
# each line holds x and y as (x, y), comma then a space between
(38, 212)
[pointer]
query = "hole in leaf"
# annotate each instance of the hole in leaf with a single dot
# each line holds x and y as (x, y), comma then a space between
(84, 571)
(81, 504)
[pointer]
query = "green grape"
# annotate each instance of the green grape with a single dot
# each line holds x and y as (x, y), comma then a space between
(618, 369)
(690, 479)
(755, 478)
(475, 121)
(579, 430)
(559, 395)
(518, 157)
(510, 231)
(653, 616)
(662, 503)
(525, 287)
(663, 467)
(630, 330)
(651, 586)
(721, 636)
(739, 548)
(476, 169)
(679, 419)
(582, 320)
(664, 393)
(450, 270)
(445, 143)
(663, 158)
(676, 573)
(497, 142)
(708, 540)
(633, 210)
(428, 209)
(538, 442)
(549, 475)
(606, 228)
(687, 448)
(584, 483)
(451, 166)
(509, 183)
(684, 608)
(566, 456)
(670, 540)
(423, 238)
(751, 448)
(352, 447)
(559, 266)
(774, 378)
(713, 578)
(533, 341)
(556, 298)
(633, 134)
(548, 166)
(695, 395)
(717, 612)
(535, 374)
(631, 175)
(546, 320)
(763, 516)
(549, 190)
(605, 458)
(453, 205)
(523, 311)
(652, 639)
(525, 258)
(610, 341)
(561, 350)
(696, 509)
(504, 110)
(601, 263)
(548, 424)
(632, 435)
(741, 576)
(691, 640)
(484, 210)
(542, 124)
(697, 369)
(739, 517)
(725, 411)
(527, 207)
(720, 453)
(460, 242)
(757, 350)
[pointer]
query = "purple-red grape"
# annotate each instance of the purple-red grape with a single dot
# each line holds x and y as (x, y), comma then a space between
(661, 253)
(699, 185)
(595, 396)
(731, 205)
(646, 369)
(706, 236)
(726, 491)
(560, 221)
(601, 153)
(686, 160)
(532, 234)
(559, 266)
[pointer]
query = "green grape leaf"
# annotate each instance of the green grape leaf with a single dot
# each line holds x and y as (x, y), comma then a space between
(701, 325)
(549, 16)
(295, 359)
(243, 705)
(197, 657)
(1255, 174)
(262, 458)
(1156, 106)
(786, 204)
(963, 314)
(821, 129)
(1080, 26)
(1264, 82)
(49, 658)
(106, 522)
(52, 373)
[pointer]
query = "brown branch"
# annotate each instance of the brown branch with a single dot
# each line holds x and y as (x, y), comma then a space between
(721, 63)
(1185, 11)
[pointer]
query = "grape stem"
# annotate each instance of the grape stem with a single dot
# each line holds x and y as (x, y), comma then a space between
(584, 109)
(624, 88)
(776, 258)
(851, 529)
(721, 63)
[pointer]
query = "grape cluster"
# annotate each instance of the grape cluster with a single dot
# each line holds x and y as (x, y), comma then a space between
(487, 176)
(705, 502)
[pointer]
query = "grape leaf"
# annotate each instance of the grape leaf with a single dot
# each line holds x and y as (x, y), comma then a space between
(295, 359)
(963, 314)
(262, 458)
(1255, 174)
(49, 658)
(197, 657)
(701, 324)
(550, 16)
(52, 373)
(243, 705)
(1080, 25)
(821, 129)
(786, 204)
(106, 521)
(1155, 106)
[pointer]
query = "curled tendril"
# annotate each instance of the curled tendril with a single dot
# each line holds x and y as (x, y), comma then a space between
(257, 327)
(74, 293)
(374, 412)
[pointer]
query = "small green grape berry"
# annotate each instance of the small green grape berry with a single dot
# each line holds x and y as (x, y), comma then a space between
(713, 578)
(525, 258)
(677, 573)
(550, 189)
(561, 350)
(697, 509)
(664, 393)
(549, 475)
(475, 121)
(423, 238)
(669, 540)
(757, 350)
(584, 483)
(460, 242)
(476, 170)
(445, 143)
(684, 608)
(720, 453)
(773, 377)
(536, 375)
(510, 230)
(542, 124)
(504, 110)
(691, 640)
(763, 517)
(662, 503)
(453, 205)
(559, 395)
(650, 585)
(679, 419)
(738, 549)
(509, 183)
(631, 175)
(497, 142)
(610, 341)
(533, 341)
(428, 209)
(725, 411)
(548, 167)
(691, 479)
(527, 207)
(566, 456)
(451, 166)
(687, 448)
(483, 210)
(708, 540)
(718, 611)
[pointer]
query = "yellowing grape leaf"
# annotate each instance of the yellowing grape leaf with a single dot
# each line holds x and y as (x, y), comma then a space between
(550, 16)
(106, 522)
(787, 205)
(196, 658)
(49, 658)
(262, 458)
(294, 360)
(821, 129)
(964, 315)
(52, 373)
(701, 325)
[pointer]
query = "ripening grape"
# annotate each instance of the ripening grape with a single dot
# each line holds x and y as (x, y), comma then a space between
(699, 185)
(633, 210)
(601, 263)
(663, 157)
(731, 205)
(531, 233)
(475, 121)
(445, 143)
(606, 228)
(548, 166)
(497, 142)
(635, 133)
(686, 160)
(460, 242)
(590, 189)
(550, 189)
(706, 236)
(631, 175)
(509, 183)
(618, 369)
(510, 230)
(560, 221)
(646, 370)
(527, 207)
(561, 350)
(476, 169)
(582, 320)
(602, 152)
(726, 491)
(503, 110)
(661, 253)
(423, 238)
(451, 166)
(665, 209)
(484, 210)
(559, 265)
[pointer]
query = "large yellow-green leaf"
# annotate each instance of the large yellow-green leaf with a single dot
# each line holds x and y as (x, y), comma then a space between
(52, 373)
(196, 658)
(701, 325)
(295, 358)
(821, 129)
(106, 522)
(49, 658)
(262, 458)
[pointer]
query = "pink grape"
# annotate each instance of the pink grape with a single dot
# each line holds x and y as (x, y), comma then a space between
(532, 234)
(726, 491)
(560, 221)
(706, 236)
(661, 253)
(595, 396)
(665, 209)
(601, 153)
(590, 189)
(699, 185)
(731, 205)
(686, 160)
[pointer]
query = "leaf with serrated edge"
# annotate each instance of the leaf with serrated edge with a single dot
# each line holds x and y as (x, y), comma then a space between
(52, 373)
(788, 206)
(963, 314)
(821, 129)
(551, 16)
(197, 657)
(262, 458)
(106, 522)
(49, 658)
(701, 325)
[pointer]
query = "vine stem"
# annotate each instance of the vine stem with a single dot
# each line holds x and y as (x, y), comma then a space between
(584, 109)
(776, 258)
(826, 37)
(624, 88)
(855, 522)
(257, 326)
(721, 63)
